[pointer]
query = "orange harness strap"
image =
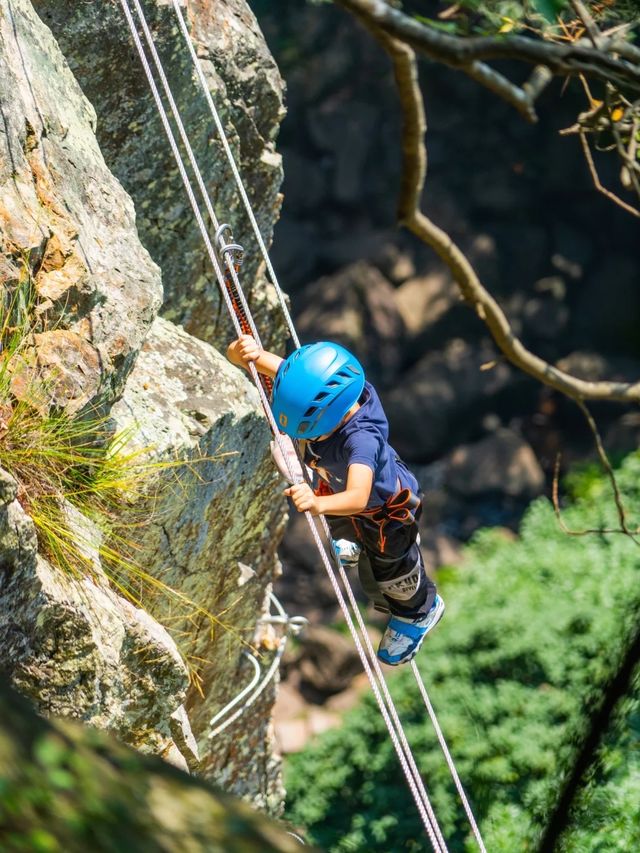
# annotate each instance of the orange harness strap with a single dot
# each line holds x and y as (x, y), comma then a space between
(400, 508)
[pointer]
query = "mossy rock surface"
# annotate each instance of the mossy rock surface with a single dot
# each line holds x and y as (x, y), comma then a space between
(67, 788)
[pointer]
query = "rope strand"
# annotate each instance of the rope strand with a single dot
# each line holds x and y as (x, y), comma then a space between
(447, 755)
(328, 556)
(236, 173)
(426, 813)
(194, 165)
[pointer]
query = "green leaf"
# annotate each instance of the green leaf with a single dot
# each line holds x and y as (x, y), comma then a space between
(42, 841)
(549, 9)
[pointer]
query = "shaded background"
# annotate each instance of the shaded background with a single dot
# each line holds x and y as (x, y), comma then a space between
(519, 200)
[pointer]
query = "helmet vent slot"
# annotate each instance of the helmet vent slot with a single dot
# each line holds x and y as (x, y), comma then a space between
(303, 426)
(310, 411)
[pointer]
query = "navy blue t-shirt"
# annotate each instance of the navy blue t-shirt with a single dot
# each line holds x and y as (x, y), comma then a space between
(363, 439)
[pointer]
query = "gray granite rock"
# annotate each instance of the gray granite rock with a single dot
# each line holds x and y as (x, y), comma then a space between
(72, 644)
(430, 407)
(210, 521)
(356, 308)
(499, 463)
(248, 92)
(78, 649)
(67, 228)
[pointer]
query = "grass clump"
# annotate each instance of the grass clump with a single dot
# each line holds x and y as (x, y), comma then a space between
(86, 491)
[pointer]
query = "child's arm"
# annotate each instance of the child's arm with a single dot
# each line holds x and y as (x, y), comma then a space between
(245, 350)
(349, 502)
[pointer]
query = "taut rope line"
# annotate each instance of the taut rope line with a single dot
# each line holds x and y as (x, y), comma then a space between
(236, 174)
(447, 755)
(220, 721)
(416, 785)
(243, 322)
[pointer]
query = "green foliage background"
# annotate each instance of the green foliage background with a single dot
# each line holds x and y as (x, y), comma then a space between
(534, 630)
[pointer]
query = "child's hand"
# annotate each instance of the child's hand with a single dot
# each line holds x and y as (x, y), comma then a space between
(243, 350)
(303, 498)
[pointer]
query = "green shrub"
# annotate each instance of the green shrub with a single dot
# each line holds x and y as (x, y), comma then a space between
(533, 631)
(606, 815)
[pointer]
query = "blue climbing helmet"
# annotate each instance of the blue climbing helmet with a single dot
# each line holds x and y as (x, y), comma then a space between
(315, 388)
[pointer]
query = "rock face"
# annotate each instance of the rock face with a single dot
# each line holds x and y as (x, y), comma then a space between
(66, 225)
(356, 308)
(247, 89)
(432, 403)
(501, 462)
(77, 649)
(186, 401)
(73, 645)
(73, 789)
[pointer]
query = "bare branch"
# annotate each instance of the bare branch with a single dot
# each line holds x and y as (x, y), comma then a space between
(586, 531)
(631, 167)
(414, 121)
(520, 98)
(538, 81)
(555, 488)
(596, 179)
(587, 19)
(604, 461)
(562, 59)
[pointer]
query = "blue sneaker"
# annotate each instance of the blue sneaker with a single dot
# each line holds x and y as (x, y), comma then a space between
(348, 552)
(403, 637)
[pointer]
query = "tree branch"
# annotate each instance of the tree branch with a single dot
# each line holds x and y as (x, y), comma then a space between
(598, 721)
(562, 59)
(520, 98)
(472, 289)
(604, 461)
(596, 179)
(587, 20)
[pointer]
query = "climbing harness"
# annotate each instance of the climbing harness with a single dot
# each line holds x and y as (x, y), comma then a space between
(399, 509)
(292, 625)
(228, 254)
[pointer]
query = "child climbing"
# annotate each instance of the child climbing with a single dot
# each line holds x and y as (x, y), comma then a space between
(367, 493)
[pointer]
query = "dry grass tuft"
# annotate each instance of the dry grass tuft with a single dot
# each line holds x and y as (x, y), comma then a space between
(64, 464)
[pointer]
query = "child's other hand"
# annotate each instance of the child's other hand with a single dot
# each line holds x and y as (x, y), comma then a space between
(243, 350)
(303, 498)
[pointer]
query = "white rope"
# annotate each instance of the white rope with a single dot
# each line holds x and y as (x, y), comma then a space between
(447, 755)
(273, 668)
(378, 670)
(292, 624)
(180, 165)
(194, 164)
(236, 173)
(416, 785)
(407, 762)
(205, 89)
